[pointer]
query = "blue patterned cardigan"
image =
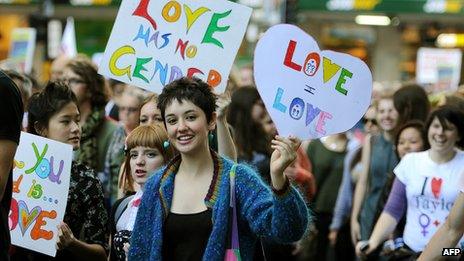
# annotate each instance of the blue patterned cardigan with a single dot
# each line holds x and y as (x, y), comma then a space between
(280, 218)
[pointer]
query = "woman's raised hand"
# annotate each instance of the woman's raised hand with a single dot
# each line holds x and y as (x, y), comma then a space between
(285, 151)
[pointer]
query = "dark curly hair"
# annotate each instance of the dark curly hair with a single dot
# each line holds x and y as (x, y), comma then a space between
(193, 90)
(96, 84)
(46, 103)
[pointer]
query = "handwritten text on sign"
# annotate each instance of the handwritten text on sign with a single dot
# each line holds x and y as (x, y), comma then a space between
(41, 177)
(309, 93)
(154, 42)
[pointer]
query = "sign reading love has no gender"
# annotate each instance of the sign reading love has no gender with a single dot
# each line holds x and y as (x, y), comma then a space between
(154, 42)
(41, 175)
(309, 93)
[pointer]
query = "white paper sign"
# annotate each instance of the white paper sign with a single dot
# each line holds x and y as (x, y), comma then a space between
(22, 48)
(309, 93)
(41, 175)
(439, 69)
(155, 42)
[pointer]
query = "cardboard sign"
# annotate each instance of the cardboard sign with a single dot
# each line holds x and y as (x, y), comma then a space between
(309, 93)
(41, 175)
(439, 69)
(22, 48)
(155, 42)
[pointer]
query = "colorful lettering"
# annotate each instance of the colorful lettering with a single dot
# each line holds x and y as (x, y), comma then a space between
(277, 101)
(26, 217)
(213, 28)
(311, 64)
(16, 184)
(321, 122)
(289, 56)
(192, 71)
(126, 49)
(144, 35)
(37, 231)
(13, 217)
(193, 16)
(176, 73)
(342, 80)
(296, 108)
(39, 157)
(311, 113)
(163, 72)
(182, 45)
(142, 11)
(139, 68)
(35, 191)
(169, 16)
(330, 69)
(214, 78)
(55, 177)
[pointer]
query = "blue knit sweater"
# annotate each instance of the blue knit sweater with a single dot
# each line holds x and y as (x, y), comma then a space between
(280, 218)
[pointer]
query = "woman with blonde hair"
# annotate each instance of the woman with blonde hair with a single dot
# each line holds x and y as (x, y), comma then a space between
(145, 154)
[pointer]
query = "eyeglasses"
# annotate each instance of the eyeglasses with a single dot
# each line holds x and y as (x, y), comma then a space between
(74, 81)
(366, 120)
(128, 109)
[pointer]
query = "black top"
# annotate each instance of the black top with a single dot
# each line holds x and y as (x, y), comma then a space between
(123, 237)
(11, 117)
(185, 236)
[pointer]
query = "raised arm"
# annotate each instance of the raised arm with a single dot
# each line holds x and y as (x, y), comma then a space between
(226, 146)
(280, 215)
(360, 190)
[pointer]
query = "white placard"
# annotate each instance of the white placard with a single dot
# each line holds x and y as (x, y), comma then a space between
(41, 176)
(309, 93)
(439, 69)
(22, 48)
(155, 42)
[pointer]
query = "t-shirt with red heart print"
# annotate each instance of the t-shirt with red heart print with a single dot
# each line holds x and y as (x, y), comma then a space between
(431, 190)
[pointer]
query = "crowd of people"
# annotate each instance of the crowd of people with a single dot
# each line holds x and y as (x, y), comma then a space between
(191, 175)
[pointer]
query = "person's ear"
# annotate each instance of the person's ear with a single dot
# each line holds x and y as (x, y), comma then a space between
(212, 122)
(42, 131)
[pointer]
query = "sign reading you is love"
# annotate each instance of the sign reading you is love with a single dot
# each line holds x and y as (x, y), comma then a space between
(309, 93)
(41, 176)
(154, 42)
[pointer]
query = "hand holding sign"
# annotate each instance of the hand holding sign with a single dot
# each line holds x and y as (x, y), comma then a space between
(309, 93)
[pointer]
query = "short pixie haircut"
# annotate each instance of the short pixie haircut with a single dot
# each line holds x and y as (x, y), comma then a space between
(451, 114)
(193, 90)
(46, 103)
(152, 136)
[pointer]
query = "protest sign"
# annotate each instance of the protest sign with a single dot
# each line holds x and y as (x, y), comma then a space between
(309, 93)
(439, 69)
(41, 176)
(22, 48)
(155, 42)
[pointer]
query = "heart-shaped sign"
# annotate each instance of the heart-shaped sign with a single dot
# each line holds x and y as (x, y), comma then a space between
(26, 217)
(309, 93)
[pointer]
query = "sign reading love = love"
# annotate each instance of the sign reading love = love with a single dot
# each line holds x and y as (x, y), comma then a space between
(309, 93)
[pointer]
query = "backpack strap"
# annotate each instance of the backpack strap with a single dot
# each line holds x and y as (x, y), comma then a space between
(121, 207)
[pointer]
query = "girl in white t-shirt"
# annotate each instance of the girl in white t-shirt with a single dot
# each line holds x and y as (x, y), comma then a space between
(450, 232)
(426, 185)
